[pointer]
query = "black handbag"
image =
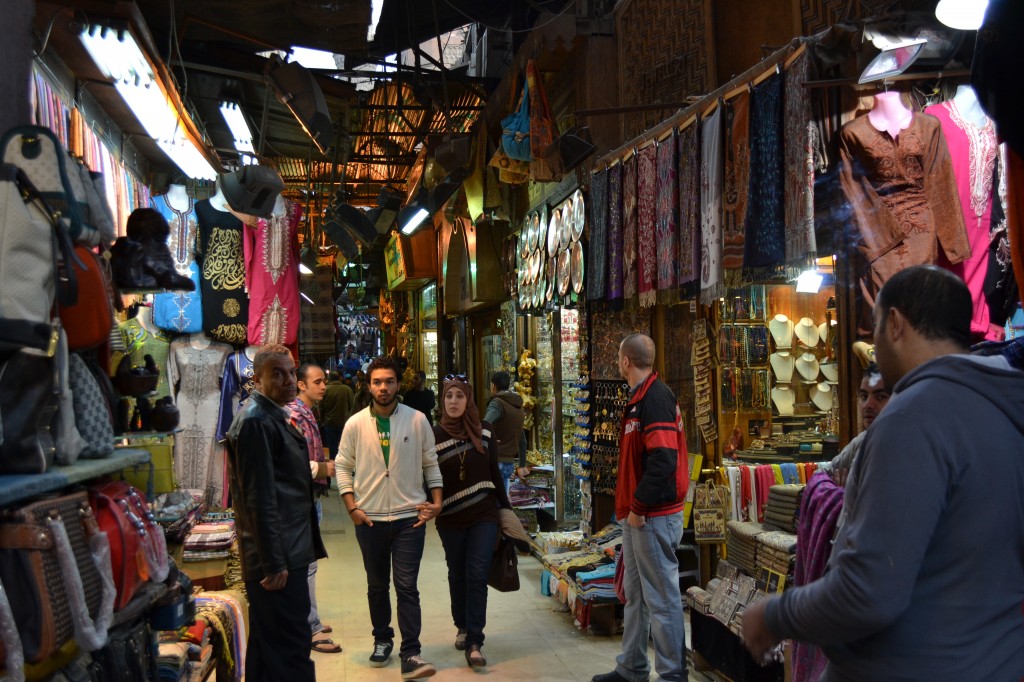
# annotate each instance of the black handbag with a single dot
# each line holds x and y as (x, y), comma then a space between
(28, 409)
(504, 573)
(128, 656)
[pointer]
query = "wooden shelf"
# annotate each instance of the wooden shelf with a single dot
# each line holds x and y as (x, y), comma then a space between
(17, 487)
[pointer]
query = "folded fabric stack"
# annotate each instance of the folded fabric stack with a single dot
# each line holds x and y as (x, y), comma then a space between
(523, 496)
(172, 661)
(586, 574)
(740, 544)
(776, 551)
(598, 584)
(210, 541)
(783, 506)
(225, 612)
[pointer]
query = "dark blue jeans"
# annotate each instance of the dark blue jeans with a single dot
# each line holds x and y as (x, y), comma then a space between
(393, 547)
(469, 553)
(332, 437)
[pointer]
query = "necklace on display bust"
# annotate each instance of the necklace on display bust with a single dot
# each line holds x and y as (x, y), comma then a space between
(781, 328)
(821, 396)
(831, 372)
(807, 332)
(782, 364)
(807, 366)
(783, 398)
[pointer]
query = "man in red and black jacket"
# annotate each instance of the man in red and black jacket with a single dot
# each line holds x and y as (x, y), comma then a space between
(649, 496)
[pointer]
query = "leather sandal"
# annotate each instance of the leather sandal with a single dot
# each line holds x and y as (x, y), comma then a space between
(474, 658)
(326, 646)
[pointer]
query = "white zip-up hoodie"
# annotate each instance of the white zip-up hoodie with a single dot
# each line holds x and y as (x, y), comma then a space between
(388, 493)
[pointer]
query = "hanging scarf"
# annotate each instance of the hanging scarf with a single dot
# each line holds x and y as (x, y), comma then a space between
(647, 199)
(764, 249)
(711, 285)
(798, 138)
(615, 233)
(629, 225)
(597, 269)
(735, 181)
(688, 263)
(667, 208)
(467, 427)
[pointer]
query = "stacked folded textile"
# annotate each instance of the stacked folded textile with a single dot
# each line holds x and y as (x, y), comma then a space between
(210, 541)
(776, 551)
(172, 661)
(524, 496)
(783, 506)
(740, 544)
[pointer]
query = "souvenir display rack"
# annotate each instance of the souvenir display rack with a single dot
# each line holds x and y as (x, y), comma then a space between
(609, 400)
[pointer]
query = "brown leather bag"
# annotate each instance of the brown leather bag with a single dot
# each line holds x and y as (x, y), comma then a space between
(88, 322)
(56, 589)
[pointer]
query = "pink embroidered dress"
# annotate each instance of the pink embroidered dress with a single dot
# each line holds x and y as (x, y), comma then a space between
(973, 151)
(272, 277)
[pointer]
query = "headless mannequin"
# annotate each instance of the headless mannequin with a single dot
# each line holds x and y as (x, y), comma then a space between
(145, 317)
(890, 115)
(218, 201)
(781, 328)
(967, 104)
(177, 198)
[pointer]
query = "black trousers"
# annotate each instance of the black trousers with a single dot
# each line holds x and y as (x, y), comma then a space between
(280, 638)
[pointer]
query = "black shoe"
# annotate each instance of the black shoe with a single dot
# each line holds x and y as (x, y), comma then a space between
(475, 659)
(381, 653)
(414, 668)
(613, 676)
(460, 639)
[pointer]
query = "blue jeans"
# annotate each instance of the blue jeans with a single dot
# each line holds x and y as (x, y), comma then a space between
(469, 552)
(314, 617)
(507, 469)
(393, 547)
(654, 607)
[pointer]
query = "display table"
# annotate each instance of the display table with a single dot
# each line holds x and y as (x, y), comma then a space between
(720, 649)
(17, 487)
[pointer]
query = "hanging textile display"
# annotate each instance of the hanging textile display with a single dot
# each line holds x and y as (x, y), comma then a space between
(667, 214)
(629, 221)
(272, 277)
(615, 232)
(711, 285)
(180, 311)
(647, 200)
(597, 269)
(764, 248)
(219, 254)
(798, 140)
(688, 262)
(735, 184)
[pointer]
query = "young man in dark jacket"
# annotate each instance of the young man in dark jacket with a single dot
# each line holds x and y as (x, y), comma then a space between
(505, 414)
(278, 534)
(649, 497)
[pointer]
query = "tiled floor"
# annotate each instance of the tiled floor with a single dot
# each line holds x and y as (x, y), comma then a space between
(528, 638)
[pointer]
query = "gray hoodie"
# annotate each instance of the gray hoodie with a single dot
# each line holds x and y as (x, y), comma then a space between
(926, 579)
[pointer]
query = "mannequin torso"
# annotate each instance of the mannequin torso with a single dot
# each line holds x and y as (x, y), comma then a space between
(782, 366)
(967, 104)
(889, 114)
(178, 199)
(783, 398)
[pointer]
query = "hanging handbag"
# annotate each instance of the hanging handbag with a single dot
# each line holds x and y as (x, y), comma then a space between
(504, 573)
(138, 550)
(542, 126)
(68, 441)
(89, 320)
(93, 416)
(710, 512)
(515, 129)
(49, 166)
(128, 655)
(55, 571)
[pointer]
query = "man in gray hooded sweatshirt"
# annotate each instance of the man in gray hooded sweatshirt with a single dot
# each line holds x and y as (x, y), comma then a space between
(926, 579)
(505, 414)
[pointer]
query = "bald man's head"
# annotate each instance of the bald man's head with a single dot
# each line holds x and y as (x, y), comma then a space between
(639, 349)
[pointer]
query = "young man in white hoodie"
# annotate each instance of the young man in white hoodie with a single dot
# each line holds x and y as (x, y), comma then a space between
(392, 447)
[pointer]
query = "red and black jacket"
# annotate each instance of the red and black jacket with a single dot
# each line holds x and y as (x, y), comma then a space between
(653, 467)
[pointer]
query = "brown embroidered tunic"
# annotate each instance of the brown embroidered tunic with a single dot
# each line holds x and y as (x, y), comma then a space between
(903, 196)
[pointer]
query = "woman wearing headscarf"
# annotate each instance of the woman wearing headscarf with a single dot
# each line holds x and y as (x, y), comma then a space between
(468, 524)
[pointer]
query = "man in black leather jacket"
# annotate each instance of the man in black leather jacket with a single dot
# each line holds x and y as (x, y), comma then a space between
(272, 494)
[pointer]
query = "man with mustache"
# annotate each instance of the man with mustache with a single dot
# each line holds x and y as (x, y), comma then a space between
(391, 445)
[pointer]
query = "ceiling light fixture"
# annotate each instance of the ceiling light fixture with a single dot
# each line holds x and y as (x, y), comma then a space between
(240, 133)
(155, 104)
(965, 15)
